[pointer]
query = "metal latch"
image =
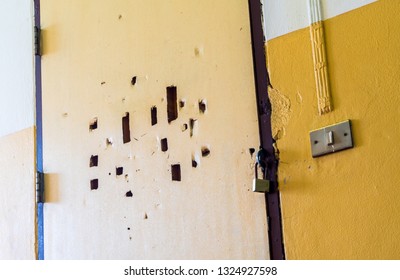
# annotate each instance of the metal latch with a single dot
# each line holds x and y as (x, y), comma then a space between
(331, 139)
(39, 187)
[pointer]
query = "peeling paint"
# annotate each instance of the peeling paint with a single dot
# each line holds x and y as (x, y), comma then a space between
(281, 109)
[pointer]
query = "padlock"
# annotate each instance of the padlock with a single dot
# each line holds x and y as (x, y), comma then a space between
(260, 185)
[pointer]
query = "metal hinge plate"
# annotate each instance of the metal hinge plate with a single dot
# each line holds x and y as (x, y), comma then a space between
(331, 139)
(37, 41)
(39, 187)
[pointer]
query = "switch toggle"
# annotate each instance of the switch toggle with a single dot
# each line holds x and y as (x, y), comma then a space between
(329, 136)
(331, 139)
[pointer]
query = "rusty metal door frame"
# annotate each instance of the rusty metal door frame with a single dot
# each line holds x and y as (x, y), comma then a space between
(272, 199)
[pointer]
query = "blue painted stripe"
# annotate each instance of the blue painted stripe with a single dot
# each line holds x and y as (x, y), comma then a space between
(39, 136)
(39, 121)
(40, 228)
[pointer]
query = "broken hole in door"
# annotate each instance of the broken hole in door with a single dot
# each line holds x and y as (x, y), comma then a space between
(205, 151)
(94, 160)
(176, 172)
(252, 151)
(94, 184)
(93, 124)
(202, 106)
(172, 106)
(119, 170)
(164, 144)
(193, 127)
(153, 115)
(129, 194)
(126, 133)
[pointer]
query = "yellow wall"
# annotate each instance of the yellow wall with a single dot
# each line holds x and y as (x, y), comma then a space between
(345, 205)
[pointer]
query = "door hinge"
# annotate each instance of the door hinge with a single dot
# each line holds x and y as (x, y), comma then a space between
(39, 187)
(38, 46)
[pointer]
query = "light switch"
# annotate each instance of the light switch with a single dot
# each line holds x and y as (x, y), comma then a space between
(331, 139)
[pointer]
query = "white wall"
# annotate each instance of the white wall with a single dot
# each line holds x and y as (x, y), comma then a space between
(17, 200)
(16, 66)
(284, 16)
(17, 148)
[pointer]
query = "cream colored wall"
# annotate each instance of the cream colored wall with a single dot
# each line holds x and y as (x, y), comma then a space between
(16, 67)
(345, 205)
(91, 52)
(17, 160)
(17, 207)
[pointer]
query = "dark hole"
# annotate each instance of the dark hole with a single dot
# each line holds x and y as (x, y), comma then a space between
(145, 216)
(94, 184)
(93, 124)
(345, 134)
(133, 81)
(192, 123)
(128, 228)
(315, 142)
(184, 127)
(194, 163)
(181, 103)
(176, 172)
(164, 144)
(172, 108)
(205, 152)
(129, 194)
(126, 133)
(202, 106)
(94, 160)
(119, 170)
(102, 83)
(252, 151)
(153, 115)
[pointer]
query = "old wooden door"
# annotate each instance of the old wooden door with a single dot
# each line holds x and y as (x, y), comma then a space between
(149, 113)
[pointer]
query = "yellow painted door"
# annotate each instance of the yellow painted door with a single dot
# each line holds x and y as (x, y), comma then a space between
(149, 113)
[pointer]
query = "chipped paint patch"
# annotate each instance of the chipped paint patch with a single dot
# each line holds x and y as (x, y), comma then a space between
(281, 109)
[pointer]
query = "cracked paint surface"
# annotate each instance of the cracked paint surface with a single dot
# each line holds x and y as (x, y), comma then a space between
(280, 112)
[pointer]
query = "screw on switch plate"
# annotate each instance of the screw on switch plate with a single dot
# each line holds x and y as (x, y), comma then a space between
(331, 139)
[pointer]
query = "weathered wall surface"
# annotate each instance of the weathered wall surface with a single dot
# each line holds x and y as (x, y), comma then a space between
(17, 179)
(344, 205)
(92, 52)
(17, 207)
